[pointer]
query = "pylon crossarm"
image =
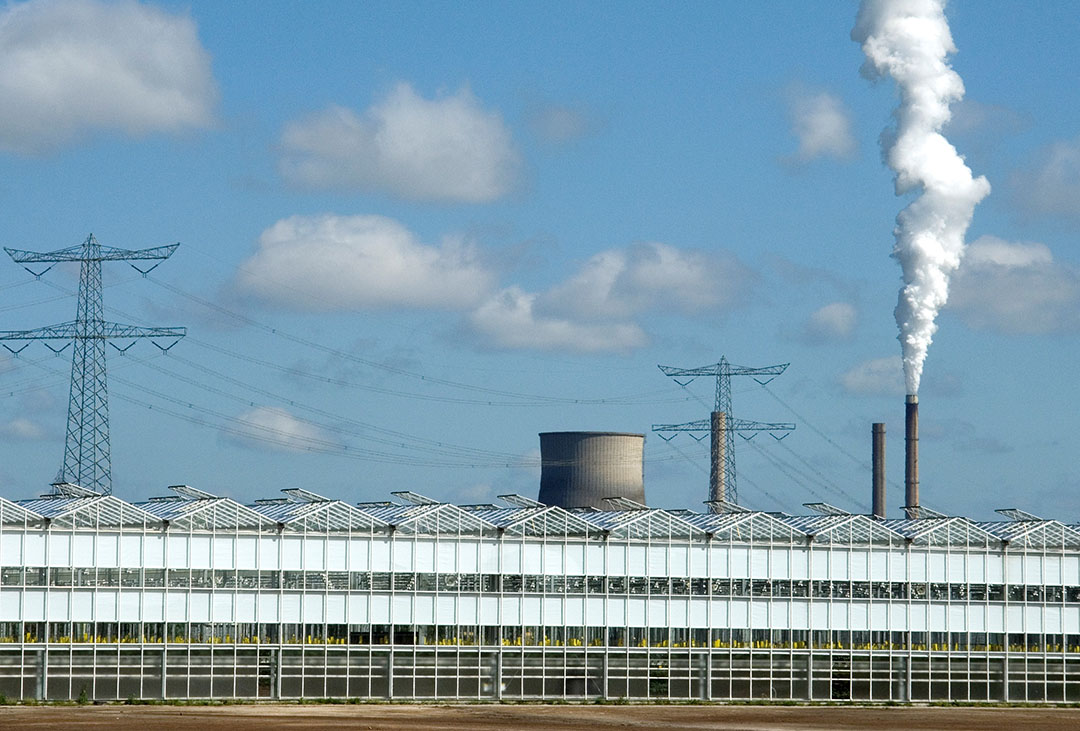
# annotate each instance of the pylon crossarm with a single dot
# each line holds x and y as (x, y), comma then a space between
(744, 425)
(689, 426)
(71, 330)
(724, 368)
(21, 256)
(116, 330)
(63, 331)
(79, 253)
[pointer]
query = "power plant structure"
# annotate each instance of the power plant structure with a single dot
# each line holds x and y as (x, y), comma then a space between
(194, 595)
(586, 469)
(877, 452)
(911, 454)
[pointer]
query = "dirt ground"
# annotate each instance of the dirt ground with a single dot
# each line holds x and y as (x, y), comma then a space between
(593, 718)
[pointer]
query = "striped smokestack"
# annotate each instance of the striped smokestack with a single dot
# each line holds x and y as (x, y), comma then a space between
(911, 452)
(878, 432)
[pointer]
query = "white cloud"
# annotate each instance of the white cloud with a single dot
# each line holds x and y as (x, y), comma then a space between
(622, 282)
(347, 262)
(1052, 186)
(833, 322)
(1015, 288)
(508, 320)
(68, 67)
(593, 310)
(479, 492)
(24, 430)
(558, 124)
(878, 377)
(821, 124)
(448, 148)
(269, 427)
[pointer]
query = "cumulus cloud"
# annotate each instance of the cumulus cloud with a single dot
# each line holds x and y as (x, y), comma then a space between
(1016, 288)
(1053, 185)
(269, 427)
(23, 430)
(446, 149)
(594, 309)
(68, 67)
(820, 123)
(478, 492)
(831, 323)
(876, 377)
(621, 282)
(332, 262)
(509, 320)
(558, 124)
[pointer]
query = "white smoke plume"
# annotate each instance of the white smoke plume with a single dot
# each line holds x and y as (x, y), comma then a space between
(910, 41)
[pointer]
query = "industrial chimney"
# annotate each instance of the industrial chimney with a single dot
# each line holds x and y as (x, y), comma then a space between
(878, 433)
(911, 452)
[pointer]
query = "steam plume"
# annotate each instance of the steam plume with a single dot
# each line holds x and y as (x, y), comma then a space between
(909, 40)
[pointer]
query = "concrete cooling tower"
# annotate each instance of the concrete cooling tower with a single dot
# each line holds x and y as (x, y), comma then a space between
(581, 468)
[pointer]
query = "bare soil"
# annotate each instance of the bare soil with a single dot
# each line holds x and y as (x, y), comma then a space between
(504, 717)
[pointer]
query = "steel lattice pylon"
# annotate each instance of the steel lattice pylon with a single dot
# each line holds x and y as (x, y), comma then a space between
(722, 425)
(87, 460)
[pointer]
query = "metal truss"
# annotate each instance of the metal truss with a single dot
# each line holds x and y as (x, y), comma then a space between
(87, 457)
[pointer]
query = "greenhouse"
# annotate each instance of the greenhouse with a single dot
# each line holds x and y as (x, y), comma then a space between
(194, 595)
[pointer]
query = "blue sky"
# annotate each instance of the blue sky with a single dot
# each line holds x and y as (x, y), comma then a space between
(413, 235)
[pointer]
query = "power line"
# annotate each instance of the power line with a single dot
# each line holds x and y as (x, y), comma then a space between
(360, 428)
(372, 363)
(343, 383)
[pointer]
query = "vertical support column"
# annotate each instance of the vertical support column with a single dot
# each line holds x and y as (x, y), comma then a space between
(718, 452)
(706, 669)
(907, 677)
(810, 671)
(41, 666)
(607, 674)
(390, 673)
(276, 682)
(497, 675)
(878, 435)
(164, 663)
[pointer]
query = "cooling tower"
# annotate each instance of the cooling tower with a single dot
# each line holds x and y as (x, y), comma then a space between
(581, 468)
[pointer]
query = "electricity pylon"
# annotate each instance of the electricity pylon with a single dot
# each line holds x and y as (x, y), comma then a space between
(87, 460)
(722, 425)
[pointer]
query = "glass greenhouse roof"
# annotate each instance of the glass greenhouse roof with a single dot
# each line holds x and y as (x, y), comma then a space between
(191, 509)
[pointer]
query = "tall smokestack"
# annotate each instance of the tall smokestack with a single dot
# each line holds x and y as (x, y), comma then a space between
(718, 453)
(878, 432)
(911, 452)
